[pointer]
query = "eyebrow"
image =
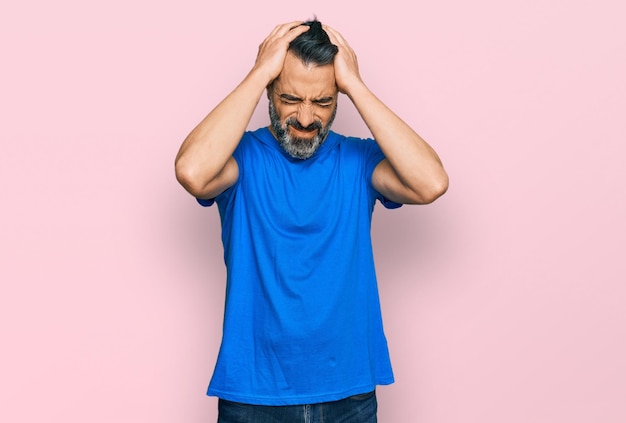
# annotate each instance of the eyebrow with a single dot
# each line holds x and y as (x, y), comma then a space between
(322, 100)
(290, 97)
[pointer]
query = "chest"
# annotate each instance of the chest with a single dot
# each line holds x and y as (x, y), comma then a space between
(308, 196)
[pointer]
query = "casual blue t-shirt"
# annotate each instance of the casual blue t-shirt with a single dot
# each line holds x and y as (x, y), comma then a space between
(302, 319)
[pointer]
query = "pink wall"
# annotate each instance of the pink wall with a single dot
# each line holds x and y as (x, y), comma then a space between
(504, 300)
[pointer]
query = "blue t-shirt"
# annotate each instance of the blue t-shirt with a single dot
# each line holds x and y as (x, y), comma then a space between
(302, 319)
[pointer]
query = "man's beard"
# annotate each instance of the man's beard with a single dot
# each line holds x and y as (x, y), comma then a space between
(297, 147)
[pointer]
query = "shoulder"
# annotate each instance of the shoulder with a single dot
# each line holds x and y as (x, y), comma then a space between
(252, 142)
(251, 138)
(355, 144)
(365, 149)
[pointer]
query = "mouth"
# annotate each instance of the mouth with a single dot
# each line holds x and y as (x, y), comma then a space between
(309, 131)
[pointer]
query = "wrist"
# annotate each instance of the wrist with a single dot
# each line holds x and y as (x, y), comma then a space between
(257, 79)
(354, 88)
(260, 77)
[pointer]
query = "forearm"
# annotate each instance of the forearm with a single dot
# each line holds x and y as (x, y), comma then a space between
(209, 146)
(416, 165)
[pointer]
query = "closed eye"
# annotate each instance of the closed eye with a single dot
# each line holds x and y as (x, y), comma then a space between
(324, 102)
(290, 99)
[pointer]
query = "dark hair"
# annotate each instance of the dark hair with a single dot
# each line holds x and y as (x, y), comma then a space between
(314, 46)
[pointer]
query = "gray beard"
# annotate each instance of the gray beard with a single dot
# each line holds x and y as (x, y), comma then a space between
(296, 147)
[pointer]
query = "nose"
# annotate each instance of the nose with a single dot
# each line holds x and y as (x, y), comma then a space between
(305, 116)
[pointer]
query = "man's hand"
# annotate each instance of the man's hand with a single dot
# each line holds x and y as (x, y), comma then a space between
(273, 49)
(346, 65)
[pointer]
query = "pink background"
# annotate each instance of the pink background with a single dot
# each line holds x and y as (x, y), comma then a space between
(504, 301)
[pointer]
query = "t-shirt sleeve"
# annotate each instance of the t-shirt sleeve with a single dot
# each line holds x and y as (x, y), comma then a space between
(205, 202)
(374, 156)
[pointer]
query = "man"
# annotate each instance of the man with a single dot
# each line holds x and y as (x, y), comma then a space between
(303, 337)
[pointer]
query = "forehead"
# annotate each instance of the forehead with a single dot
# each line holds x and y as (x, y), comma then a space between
(305, 81)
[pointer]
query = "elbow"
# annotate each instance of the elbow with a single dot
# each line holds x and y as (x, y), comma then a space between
(188, 178)
(435, 189)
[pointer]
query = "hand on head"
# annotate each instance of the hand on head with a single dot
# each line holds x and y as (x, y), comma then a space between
(273, 49)
(346, 64)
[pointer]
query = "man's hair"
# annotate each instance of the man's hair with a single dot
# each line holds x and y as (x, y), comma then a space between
(313, 47)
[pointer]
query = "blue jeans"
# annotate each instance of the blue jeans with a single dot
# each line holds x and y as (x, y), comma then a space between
(355, 409)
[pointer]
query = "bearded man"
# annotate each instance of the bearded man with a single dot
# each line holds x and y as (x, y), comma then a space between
(303, 336)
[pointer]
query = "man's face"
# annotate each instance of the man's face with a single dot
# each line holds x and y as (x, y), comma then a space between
(302, 105)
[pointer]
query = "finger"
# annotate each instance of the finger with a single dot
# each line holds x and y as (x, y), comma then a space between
(337, 38)
(288, 30)
(287, 27)
(274, 31)
(282, 29)
(296, 31)
(334, 36)
(285, 33)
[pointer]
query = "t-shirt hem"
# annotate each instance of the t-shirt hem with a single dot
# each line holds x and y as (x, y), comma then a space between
(295, 400)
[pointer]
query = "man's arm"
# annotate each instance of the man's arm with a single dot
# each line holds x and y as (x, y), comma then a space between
(204, 164)
(412, 172)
